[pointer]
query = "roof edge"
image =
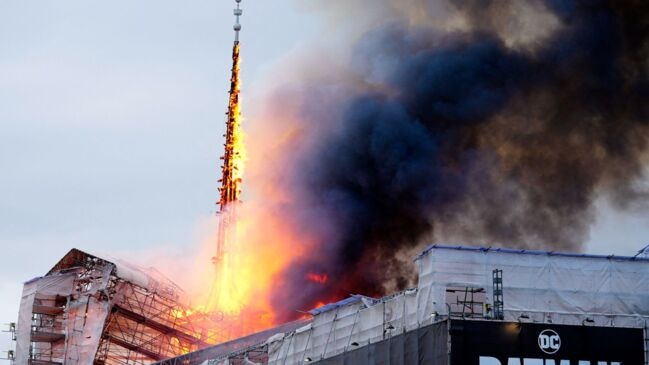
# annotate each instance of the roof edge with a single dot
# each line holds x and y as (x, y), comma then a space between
(529, 252)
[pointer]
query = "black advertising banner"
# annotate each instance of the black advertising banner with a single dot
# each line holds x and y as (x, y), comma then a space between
(507, 343)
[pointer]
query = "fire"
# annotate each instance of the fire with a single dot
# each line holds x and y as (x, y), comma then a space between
(236, 139)
(246, 277)
(225, 291)
(253, 242)
(317, 278)
(234, 157)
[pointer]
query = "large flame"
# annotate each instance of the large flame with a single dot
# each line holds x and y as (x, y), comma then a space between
(388, 149)
(239, 301)
(226, 291)
(254, 243)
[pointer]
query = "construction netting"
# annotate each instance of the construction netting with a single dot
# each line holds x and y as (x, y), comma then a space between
(88, 310)
(345, 328)
(537, 287)
(54, 328)
(47, 289)
(540, 285)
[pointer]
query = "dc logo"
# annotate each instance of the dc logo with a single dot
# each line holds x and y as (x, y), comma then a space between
(549, 341)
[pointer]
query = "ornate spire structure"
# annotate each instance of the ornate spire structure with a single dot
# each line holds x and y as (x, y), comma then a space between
(224, 287)
(232, 169)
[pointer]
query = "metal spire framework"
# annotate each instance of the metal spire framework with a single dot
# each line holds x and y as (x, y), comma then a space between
(235, 318)
(229, 189)
(231, 170)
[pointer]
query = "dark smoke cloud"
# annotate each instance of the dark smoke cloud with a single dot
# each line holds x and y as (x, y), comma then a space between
(463, 135)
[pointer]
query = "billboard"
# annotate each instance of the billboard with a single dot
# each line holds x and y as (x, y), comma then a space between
(512, 343)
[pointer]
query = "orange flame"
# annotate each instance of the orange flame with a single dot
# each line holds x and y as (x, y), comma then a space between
(239, 156)
(253, 243)
(317, 278)
(245, 279)
(258, 239)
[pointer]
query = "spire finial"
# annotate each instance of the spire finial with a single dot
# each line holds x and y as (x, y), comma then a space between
(237, 26)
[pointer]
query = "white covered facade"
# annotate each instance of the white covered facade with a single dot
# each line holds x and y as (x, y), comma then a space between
(538, 286)
(88, 310)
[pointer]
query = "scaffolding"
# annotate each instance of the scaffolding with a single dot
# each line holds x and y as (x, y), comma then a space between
(149, 324)
(499, 303)
(89, 310)
(466, 302)
(10, 353)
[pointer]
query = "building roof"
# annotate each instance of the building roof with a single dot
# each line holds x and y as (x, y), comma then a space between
(531, 252)
(148, 278)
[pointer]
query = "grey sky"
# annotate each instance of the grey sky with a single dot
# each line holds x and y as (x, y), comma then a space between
(111, 115)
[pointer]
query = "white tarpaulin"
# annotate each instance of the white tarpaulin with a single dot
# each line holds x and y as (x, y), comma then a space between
(541, 286)
(45, 288)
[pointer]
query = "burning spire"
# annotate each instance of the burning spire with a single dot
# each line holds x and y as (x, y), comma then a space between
(232, 161)
(231, 177)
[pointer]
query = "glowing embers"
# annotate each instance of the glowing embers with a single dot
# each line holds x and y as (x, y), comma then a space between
(317, 278)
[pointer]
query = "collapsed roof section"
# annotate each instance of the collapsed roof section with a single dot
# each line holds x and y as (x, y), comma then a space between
(88, 310)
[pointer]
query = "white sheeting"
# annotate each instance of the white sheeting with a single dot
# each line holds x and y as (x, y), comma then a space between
(545, 287)
(82, 322)
(44, 287)
(87, 309)
(344, 328)
(23, 327)
(540, 284)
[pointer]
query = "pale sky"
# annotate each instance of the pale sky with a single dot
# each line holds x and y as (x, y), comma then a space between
(111, 116)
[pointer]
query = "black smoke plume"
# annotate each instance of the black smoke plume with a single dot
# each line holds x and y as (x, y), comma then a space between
(466, 135)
